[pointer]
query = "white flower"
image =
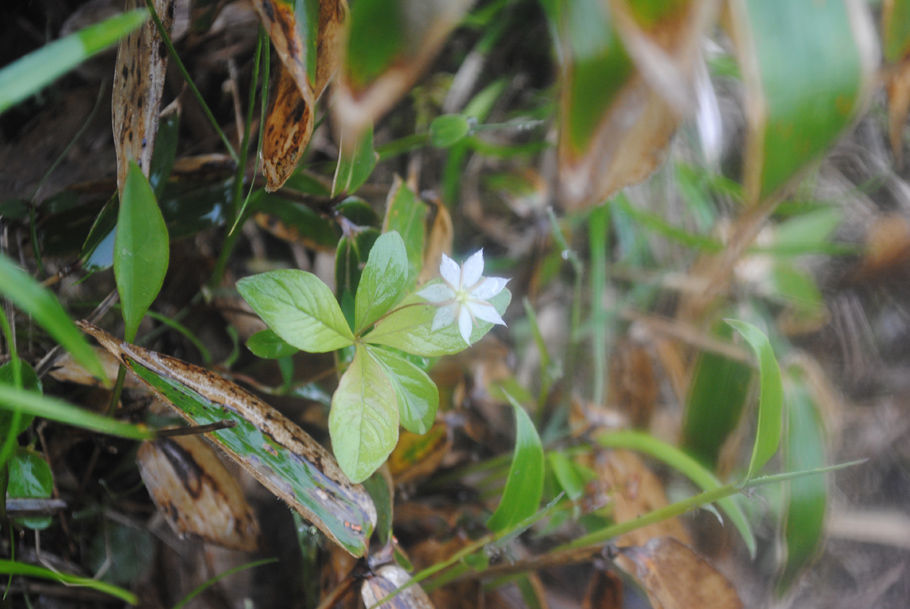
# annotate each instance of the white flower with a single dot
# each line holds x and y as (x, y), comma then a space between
(464, 295)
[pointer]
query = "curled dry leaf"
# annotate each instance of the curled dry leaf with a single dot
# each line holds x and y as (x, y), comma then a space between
(371, 84)
(612, 137)
(138, 86)
(307, 42)
(196, 493)
(271, 447)
(386, 580)
(675, 577)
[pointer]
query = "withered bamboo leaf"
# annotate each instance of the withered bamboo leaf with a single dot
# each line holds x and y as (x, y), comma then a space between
(386, 580)
(138, 86)
(272, 448)
(192, 488)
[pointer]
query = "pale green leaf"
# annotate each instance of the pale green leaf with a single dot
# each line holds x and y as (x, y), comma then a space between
(383, 280)
(299, 308)
(418, 397)
(363, 422)
(448, 129)
(770, 406)
(355, 164)
(268, 345)
(407, 214)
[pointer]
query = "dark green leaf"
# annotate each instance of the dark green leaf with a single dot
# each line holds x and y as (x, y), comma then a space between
(418, 397)
(524, 485)
(714, 405)
(268, 345)
(30, 477)
(383, 280)
(299, 308)
(30, 382)
(448, 129)
(127, 551)
(31, 73)
(165, 152)
(363, 422)
(410, 328)
(141, 250)
(37, 301)
(806, 499)
(770, 407)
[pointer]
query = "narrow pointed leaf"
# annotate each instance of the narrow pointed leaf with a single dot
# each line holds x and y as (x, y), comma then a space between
(28, 75)
(418, 396)
(356, 160)
(363, 422)
(272, 448)
(12, 567)
(524, 484)
(30, 382)
(806, 499)
(410, 328)
(807, 67)
(35, 300)
(299, 308)
(686, 465)
(383, 280)
(770, 406)
(141, 250)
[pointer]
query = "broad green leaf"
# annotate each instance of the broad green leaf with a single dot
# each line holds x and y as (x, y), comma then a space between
(141, 250)
(409, 328)
(448, 129)
(35, 300)
(299, 308)
(12, 567)
(407, 214)
(418, 397)
(37, 405)
(272, 448)
(806, 499)
(524, 484)
(355, 164)
(31, 73)
(268, 345)
(350, 258)
(30, 477)
(807, 68)
(383, 280)
(363, 422)
(714, 405)
(770, 405)
(796, 288)
(805, 231)
(30, 382)
(686, 465)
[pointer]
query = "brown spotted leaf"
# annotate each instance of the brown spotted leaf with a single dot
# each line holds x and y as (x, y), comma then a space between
(307, 40)
(272, 448)
(196, 493)
(138, 86)
(675, 577)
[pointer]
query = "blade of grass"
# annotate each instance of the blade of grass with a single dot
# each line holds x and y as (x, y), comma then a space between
(12, 567)
(214, 580)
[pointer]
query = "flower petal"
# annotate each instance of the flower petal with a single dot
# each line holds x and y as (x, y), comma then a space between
(488, 288)
(437, 293)
(472, 269)
(450, 272)
(444, 317)
(465, 324)
(485, 311)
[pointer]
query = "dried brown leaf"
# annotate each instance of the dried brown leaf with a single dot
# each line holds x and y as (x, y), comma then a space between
(676, 577)
(198, 496)
(138, 86)
(388, 579)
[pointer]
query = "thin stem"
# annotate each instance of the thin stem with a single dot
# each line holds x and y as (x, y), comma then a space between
(189, 81)
(9, 442)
